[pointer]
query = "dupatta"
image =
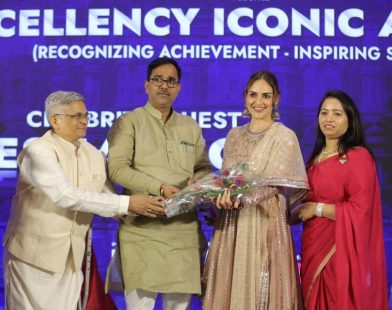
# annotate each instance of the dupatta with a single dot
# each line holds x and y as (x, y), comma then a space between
(251, 264)
(278, 159)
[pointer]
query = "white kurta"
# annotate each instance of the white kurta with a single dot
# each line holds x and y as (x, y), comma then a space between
(59, 187)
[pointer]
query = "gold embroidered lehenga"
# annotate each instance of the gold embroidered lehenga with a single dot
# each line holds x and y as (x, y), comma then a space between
(251, 262)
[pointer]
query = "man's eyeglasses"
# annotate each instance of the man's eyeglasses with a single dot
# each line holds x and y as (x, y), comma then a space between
(77, 116)
(158, 82)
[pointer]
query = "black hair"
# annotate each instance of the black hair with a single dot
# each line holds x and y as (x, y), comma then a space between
(163, 61)
(353, 137)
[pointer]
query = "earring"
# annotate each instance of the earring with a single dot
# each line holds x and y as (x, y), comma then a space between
(275, 114)
(246, 113)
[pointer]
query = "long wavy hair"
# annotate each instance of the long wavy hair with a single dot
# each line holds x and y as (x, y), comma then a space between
(353, 137)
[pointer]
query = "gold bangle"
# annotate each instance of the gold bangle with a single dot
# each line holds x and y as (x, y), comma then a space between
(319, 209)
(161, 191)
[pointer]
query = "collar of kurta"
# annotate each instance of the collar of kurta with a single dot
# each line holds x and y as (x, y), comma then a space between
(66, 145)
(157, 114)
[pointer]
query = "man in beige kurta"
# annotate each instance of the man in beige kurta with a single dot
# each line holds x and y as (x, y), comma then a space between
(154, 150)
(62, 182)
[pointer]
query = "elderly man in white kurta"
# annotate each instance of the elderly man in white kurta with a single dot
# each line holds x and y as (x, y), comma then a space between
(62, 182)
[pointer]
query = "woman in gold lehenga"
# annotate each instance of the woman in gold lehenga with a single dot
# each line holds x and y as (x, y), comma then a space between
(251, 263)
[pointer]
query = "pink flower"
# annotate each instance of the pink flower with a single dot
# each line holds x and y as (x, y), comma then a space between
(225, 172)
(240, 180)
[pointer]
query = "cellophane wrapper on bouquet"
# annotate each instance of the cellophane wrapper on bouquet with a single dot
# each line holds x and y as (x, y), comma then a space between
(239, 180)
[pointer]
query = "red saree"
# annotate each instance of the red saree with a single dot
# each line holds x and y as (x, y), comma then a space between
(343, 261)
(97, 298)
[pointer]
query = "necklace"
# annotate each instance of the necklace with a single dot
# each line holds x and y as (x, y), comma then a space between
(324, 152)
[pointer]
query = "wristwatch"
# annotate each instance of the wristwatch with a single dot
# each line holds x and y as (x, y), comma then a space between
(319, 209)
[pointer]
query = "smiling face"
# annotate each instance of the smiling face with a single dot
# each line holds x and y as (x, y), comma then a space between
(68, 127)
(332, 119)
(260, 100)
(162, 97)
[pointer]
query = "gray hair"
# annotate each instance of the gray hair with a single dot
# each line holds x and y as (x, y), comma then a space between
(60, 98)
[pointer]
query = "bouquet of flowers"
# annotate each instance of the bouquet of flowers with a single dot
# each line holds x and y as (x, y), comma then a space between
(238, 180)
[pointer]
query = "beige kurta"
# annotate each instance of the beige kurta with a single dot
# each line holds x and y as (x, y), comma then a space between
(158, 255)
(60, 185)
(251, 264)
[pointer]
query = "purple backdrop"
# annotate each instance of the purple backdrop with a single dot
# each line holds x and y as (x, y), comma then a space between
(101, 49)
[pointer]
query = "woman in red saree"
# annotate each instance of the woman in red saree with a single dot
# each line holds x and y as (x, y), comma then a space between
(343, 258)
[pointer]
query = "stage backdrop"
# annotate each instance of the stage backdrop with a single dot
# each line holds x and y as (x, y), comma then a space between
(101, 49)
